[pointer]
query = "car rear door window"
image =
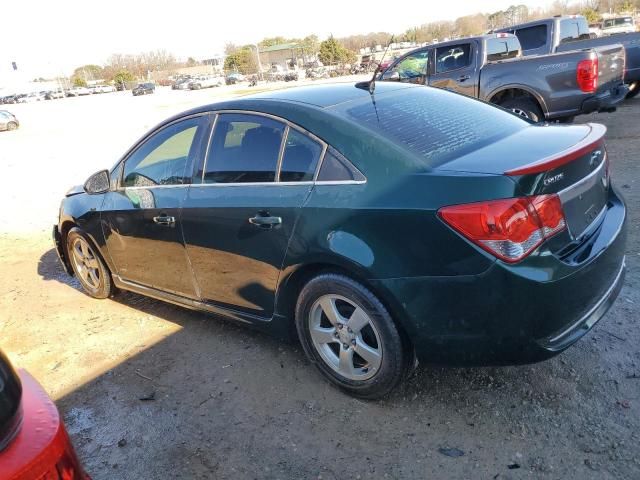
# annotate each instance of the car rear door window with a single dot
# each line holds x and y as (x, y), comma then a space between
(453, 57)
(300, 158)
(244, 149)
(532, 37)
(572, 29)
(502, 48)
(163, 159)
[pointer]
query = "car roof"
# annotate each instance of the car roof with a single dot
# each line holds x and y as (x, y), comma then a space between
(325, 95)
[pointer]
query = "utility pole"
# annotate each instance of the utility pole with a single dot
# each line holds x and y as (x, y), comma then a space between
(259, 63)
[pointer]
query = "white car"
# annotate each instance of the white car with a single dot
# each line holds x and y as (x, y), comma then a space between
(78, 91)
(33, 97)
(104, 89)
(611, 26)
(205, 82)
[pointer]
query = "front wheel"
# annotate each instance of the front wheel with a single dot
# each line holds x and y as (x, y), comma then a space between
(12, 126)
(89, 268)
(350, 337)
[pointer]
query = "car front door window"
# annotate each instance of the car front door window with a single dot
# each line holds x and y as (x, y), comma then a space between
(412, 68)
(164, 158)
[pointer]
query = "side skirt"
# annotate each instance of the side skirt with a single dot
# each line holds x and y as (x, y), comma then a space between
(276, 325)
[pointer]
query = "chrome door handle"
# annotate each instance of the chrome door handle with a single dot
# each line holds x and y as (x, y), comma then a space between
(463, 78)
(165, 221)
(265, 221)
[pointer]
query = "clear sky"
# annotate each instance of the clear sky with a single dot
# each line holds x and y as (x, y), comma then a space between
(49, 37)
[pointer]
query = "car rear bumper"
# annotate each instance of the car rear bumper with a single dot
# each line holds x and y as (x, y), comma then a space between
(42, 448)
(606, 101)
(514, 314)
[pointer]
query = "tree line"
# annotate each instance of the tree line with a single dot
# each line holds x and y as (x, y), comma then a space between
(243, 59)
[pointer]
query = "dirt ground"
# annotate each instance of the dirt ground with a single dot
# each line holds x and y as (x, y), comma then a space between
(149, 390)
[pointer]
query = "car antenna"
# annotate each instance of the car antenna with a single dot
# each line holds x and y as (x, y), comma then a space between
(371, 84)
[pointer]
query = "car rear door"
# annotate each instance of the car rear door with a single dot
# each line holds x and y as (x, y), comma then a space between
(456, 68)
(242, 208)
(141, 214)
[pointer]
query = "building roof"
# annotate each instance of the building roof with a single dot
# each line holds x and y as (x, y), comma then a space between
(282, 46)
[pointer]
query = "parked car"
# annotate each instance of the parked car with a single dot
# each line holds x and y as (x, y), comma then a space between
(54, 94)
(144, 89)
(78, 92)
(33, 97)
(34, 443)
(107, 88)
(291, 76)
(374, 227)
(8, 121)
(181, 83)
(545, 87)
(205, 82)
(234, 78)
(566, 33)
(10, 99)
(611, 26)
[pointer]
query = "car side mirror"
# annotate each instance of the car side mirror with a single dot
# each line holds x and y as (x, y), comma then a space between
(392, 76)
(97, 183)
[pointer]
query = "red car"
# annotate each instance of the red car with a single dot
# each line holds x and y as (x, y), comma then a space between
(34, 444)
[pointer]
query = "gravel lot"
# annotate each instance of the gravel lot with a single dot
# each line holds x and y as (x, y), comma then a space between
(149, 390)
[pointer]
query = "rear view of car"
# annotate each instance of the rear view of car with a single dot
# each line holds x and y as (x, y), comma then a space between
(33, 441)
(612, 26)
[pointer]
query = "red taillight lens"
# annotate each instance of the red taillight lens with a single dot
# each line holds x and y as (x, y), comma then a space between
(587, 75)
(510, 228)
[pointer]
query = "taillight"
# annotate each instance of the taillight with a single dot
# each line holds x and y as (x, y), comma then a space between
(587, 75)
(509, 228)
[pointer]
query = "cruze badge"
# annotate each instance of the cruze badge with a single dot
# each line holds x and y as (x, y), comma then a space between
(554, 179)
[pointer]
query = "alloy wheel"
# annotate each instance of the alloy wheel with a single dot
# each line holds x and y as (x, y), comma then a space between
(85, 263)
(520, 112)
(345, 337)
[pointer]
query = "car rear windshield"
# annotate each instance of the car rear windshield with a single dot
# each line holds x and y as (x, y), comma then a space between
(434, 124)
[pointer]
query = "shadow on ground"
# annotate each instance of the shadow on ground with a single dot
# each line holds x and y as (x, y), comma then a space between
(216, 400)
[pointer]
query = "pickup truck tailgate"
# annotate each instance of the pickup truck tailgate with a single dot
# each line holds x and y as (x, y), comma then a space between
(610, 65)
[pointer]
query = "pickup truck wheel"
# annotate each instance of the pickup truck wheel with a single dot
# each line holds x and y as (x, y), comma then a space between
(634, 89)
(524, 107)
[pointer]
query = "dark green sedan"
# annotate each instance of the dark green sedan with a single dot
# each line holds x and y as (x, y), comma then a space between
(377, 228)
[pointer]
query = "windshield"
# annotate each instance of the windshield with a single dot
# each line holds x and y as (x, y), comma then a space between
(434, 124)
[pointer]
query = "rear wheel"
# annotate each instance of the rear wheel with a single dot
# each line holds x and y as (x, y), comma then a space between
(350, 337)
(12, 126)
(87, 265)
(524, 107)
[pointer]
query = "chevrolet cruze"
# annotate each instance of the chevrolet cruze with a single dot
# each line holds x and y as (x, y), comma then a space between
(378, 227)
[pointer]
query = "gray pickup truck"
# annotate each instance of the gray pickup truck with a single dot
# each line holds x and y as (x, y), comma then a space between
(571, 32)
(492, 68)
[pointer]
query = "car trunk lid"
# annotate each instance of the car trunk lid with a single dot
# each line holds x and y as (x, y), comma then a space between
(570, 162)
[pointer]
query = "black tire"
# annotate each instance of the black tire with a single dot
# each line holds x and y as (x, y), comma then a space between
(396, 357)
(524, 107)
(103, 288)
(12, 126)
(635, 89)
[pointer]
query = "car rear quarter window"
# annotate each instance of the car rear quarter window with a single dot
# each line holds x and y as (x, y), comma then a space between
(244, 149)
(163, 158)
(336, 168)
(300, 158)
(502, 48)
(532, 37)
(434, 124)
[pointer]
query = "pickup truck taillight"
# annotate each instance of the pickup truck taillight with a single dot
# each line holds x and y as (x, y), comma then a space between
(587, 75)
(509, 228)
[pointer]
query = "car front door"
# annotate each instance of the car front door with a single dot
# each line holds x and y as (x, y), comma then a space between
(455, 68)
(242, 207)
(141, 214)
